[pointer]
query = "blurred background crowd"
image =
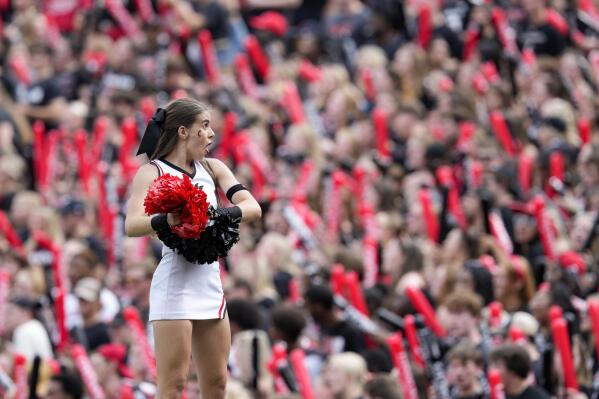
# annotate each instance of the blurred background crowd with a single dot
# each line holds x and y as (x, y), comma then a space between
(405, 153)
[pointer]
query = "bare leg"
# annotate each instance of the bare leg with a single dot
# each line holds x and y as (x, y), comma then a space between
(211, 344)
(173, 349)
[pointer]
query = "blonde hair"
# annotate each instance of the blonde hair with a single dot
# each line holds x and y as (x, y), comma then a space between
(411, 86)
(371, 57)
(50, 223)
(352, 99)
(284, 250)
(260, 276)
(351, 364)
(352, 141)
(335, 74)
(13, 166)
(22, 205)
(557, 107)
(31, 277)
(310, 140)
(31, 199)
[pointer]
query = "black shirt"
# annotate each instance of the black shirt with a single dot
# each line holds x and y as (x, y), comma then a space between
(116, 80)
(345, 337)
(456, 14)
(543, 39)
(309, 10)
(216, 18)
(40, 93)
(531, 393)
(475, 396)
(93, 336)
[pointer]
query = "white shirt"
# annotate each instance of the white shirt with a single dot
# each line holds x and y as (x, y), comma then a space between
(31, 339)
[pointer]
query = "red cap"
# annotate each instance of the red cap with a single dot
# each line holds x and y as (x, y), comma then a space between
(574, 260)
(116, 353)
(271, 21)
(309, 71)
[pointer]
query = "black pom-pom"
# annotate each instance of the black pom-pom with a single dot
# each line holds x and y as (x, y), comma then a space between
(215, 241)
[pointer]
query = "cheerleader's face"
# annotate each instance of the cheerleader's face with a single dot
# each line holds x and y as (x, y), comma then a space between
(199, 137)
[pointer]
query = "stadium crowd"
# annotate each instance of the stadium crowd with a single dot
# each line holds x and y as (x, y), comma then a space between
(428, 172)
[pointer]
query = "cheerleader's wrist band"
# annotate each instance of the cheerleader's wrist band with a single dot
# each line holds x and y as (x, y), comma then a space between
(159, 222)
(234, 212)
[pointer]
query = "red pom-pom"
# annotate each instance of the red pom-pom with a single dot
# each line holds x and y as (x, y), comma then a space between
(171, 194)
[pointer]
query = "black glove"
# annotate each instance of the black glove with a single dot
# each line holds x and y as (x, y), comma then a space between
(160, 222)
(234, 212)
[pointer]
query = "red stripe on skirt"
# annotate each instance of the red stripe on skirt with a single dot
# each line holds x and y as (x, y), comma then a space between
(222, 304)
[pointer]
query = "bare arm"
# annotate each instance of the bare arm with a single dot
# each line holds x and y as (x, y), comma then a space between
(250, 209)
(137, 223)
(191, 18)
(51, 112)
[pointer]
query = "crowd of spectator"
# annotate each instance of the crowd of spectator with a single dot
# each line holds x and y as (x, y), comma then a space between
(404, 153)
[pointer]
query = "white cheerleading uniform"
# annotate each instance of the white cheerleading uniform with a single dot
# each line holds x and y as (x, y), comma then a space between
(182, 290)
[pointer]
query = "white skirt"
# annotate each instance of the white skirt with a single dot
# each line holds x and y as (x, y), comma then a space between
(182, 290)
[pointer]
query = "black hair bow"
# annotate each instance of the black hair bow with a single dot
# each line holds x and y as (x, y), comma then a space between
(149, 141)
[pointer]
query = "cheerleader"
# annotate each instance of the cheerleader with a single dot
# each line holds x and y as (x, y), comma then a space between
(187, 306)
